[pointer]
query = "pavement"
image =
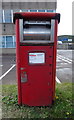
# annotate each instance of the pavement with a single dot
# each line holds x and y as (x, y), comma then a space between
(63, 72)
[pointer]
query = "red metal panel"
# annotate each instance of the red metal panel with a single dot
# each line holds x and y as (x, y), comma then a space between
(39, 86)
(37, 91)
(18, 60)
(36, 15)
(54, 58)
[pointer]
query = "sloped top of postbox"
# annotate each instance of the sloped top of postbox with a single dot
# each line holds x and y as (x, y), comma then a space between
(36, 16)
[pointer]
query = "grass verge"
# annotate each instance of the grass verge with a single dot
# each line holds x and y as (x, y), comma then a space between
(62, 107)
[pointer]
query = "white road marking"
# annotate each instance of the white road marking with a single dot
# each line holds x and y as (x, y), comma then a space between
(7, 72)
(64, 63)
(57, 80)
(64, 59)
(1, 65)
(58, 60)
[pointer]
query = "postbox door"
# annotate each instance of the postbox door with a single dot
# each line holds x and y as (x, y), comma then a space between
(36, 75)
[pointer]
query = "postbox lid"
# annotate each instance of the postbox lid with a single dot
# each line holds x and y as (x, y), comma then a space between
(36, 16)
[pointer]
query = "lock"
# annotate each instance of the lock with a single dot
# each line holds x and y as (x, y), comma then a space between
(23, 77)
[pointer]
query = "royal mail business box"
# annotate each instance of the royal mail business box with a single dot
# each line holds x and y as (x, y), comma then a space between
(36, 44)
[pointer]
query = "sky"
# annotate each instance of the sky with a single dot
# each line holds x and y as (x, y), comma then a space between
(64, 7)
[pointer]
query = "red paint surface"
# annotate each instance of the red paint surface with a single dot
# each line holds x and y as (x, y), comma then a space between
(37, 15)
(54, 58)
(32, 55)
(18, 61)
(39, 90)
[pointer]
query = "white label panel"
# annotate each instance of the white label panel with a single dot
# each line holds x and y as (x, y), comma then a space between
(36, 58)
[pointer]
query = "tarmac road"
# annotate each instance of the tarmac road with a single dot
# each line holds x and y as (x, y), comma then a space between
(64, 65)
(63, 71)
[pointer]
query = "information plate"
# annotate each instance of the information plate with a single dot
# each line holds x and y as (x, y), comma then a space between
(36, 58)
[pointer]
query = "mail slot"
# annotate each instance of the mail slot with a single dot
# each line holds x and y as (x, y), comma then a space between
(36, 45)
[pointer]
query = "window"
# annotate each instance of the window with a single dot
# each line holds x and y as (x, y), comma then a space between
(2, 41)
(7, 16)
(9, 41)
(16, 10)
(14, 41)
(41, 10)
(24, 10)
(1, 15)
(12, 15)
(50, 10)
(33, 10)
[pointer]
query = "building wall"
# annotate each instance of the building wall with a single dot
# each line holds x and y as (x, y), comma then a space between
(30, 5)
(8, 28)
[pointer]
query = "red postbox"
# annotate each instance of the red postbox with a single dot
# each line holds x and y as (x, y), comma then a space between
(36, 44)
